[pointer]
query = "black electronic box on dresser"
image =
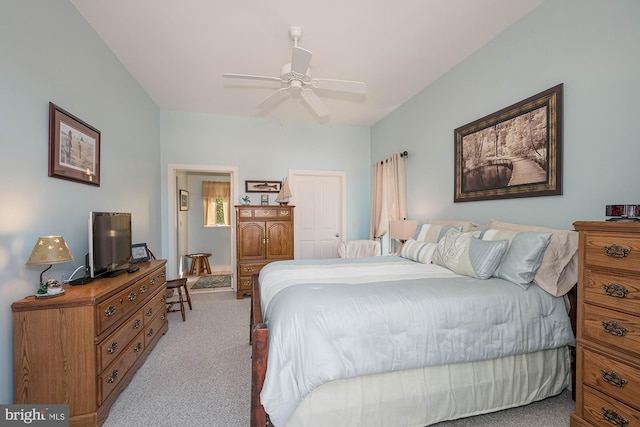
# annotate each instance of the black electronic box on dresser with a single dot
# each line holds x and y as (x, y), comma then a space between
(608, 338)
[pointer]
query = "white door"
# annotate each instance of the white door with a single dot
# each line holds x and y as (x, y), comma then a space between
(319, 221)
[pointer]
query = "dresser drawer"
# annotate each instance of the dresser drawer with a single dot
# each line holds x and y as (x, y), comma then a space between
(153, 282)
(245, 271)
(113, 309)
(265, 213)
(111, 377)
(617, 291)
(612, 377)
(156, 305)
(602, 410)
(612, 328)
(620, 252)
(111, 347)
(153, 328)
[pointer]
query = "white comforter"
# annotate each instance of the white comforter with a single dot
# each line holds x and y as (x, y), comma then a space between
(337, 319)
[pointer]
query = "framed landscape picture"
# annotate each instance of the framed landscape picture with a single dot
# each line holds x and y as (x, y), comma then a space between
(515, 152)
(74, 148)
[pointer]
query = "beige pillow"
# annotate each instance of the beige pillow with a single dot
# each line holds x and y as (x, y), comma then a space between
(558, 272)
(466, 225)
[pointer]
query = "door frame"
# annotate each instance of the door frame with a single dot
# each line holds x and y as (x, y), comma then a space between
(172, 216)
(343, 181)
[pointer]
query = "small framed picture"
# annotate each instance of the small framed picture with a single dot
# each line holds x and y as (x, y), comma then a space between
(184, 200)
(139, 253)
(264, 199)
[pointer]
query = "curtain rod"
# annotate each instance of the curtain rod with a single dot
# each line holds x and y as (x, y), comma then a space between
(403, 154)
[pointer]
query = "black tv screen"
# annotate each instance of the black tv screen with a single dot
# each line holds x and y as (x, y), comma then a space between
(109, 243)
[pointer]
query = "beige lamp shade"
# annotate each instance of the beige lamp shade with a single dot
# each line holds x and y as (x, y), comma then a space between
(402, 230)
(50, 250)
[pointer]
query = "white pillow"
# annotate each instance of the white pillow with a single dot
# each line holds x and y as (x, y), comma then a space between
(418, 251)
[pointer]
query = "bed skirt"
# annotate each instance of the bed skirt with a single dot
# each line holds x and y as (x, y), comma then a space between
(425, 396)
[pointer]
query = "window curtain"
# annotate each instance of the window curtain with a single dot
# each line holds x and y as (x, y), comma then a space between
(389, 194)
(212, 190)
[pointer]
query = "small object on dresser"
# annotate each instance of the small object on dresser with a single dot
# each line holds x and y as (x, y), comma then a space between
(628, 213)
(49, 250)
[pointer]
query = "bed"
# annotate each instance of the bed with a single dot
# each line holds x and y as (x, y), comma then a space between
(461, 323)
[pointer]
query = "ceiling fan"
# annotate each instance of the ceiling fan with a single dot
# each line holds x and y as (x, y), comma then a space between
(295, 78)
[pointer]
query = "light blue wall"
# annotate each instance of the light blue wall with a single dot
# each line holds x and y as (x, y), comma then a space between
(268, 149)
(589, 45)
(49, 53)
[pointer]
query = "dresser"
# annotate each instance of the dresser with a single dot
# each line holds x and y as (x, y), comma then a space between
(264, 234)
(84, 347)
(608, 337)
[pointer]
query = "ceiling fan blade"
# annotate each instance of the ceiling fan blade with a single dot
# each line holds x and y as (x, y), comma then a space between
(315, 102)
(340, 85)
(273, 99)
(251, 77)
(300, 60)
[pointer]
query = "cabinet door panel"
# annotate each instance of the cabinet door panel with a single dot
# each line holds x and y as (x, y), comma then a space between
(251, 237)
(279, 240)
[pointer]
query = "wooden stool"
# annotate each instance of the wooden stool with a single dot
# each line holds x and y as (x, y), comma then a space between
(199, 264)
(178, 284)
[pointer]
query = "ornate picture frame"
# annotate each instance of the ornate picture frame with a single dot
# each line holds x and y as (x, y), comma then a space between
(74, 148)
(514, 152)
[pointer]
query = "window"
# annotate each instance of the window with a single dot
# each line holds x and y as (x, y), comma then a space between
(216, 196)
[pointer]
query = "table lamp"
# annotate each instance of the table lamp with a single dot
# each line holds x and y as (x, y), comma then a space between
(49, 250)
(402, 230)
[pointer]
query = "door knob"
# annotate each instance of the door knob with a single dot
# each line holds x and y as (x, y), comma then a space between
(337, 234)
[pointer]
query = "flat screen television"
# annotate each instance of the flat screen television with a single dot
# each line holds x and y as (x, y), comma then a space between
(109, 243)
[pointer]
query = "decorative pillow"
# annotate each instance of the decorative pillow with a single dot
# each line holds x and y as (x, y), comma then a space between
(524, 254)
(558, 272)
(432, 233)
(466, 225)
(418, 251)
(464, 253)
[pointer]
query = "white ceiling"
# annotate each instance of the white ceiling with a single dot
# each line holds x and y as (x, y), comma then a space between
(178, 49)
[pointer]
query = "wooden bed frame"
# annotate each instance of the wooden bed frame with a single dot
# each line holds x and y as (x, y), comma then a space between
(259, 336)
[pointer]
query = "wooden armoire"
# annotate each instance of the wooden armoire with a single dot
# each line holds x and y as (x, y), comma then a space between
(264, 234)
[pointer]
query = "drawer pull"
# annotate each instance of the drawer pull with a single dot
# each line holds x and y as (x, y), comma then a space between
(150, 312)
(616, 251)
(143, 289)
(615, 290)
(152, 281)
(247, 269)
(131, 296)
(113, 376)
(136, 324)
(614, 329)
(162, 274)
(138, 347)
(112, 347)
(110, 311)
(613, 378)
(150, 332)
(613, 417)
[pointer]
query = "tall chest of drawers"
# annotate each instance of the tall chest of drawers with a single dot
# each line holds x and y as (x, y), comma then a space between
(264, 234)
(608, 338)
(83, 348)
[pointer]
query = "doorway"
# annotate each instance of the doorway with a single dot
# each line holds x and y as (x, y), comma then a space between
(320, 214)
(178, 246)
